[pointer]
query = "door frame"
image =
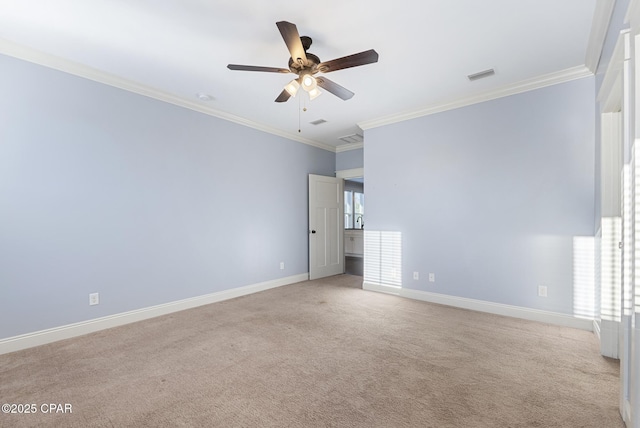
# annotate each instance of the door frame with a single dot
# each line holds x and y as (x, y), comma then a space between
(346, 174)
(350, 173)
(617, 110)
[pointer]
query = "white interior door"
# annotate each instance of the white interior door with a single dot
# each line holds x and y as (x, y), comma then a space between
(326, 225)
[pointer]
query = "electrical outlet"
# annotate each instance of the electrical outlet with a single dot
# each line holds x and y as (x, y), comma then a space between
(281, 265)
(94, 299)
(416, 276)
(542, 290)
(432, 277)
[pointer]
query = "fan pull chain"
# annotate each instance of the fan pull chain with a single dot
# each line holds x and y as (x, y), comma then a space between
(299, 105)
(301, 108)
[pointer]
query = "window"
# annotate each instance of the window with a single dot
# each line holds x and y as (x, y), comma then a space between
(353, 210)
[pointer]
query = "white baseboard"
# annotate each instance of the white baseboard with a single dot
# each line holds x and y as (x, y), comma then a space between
(626, 412)
(389, 289)
(609, 338)
(596, 329)
(43, 337)
(484, 306)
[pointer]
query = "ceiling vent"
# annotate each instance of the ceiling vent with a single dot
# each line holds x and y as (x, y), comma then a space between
(318, 122)
(354, 138)
(481, 74)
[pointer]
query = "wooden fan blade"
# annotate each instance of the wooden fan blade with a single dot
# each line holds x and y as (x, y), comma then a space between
(257, 68)
(284, 96)
(291, 38)
(334, 88)
(362, 58)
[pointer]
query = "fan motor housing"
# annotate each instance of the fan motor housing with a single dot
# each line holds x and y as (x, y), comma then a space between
(312, 60)
(311, 65)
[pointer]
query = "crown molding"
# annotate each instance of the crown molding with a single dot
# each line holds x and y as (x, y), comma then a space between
(348, 147)
(513, 89)
(51, 61)
(350, 173)
(598, 34)
(609, 96)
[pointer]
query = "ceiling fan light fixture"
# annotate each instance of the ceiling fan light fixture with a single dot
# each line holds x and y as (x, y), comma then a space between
(305, 65)
(314, 93)
(292, 87)
(309, 83)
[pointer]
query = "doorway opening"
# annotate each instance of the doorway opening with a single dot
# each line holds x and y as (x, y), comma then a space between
(354, 224)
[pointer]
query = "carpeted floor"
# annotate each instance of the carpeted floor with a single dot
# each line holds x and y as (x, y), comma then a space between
(322, 353)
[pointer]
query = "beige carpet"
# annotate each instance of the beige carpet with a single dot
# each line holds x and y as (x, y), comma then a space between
(318, 354)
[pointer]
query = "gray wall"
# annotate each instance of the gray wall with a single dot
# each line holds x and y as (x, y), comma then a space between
(102, 190)
(489, 197)
(349, 159)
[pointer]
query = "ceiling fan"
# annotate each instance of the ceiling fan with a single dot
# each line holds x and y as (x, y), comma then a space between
(306, 65)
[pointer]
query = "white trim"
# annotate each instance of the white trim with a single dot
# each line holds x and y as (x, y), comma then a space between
(350, 173)
(598, 34)
(626, 412)
(348, 147)
(484, 306)
(81, 70)
(380, 288)
(500, 309)
(610, 94)
(633, 15)
(609, 333)
(43, 337)
(516, 88)
(596, 329)
(31, 55)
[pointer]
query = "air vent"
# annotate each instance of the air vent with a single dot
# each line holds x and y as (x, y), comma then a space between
(354, 138)
(318, 122)
(481, 74)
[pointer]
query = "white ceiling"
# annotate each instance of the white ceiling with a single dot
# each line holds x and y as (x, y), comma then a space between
(176, 49)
